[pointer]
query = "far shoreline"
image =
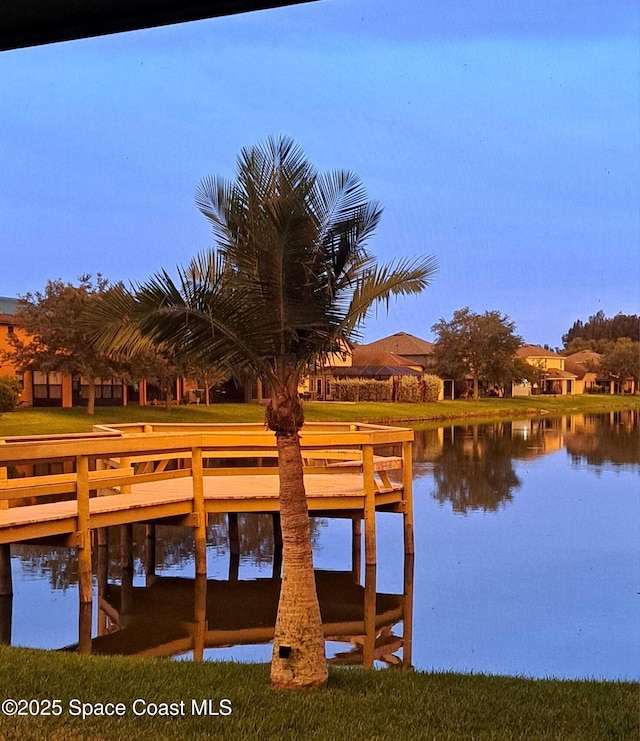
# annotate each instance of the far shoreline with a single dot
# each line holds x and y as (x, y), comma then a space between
(44, 421)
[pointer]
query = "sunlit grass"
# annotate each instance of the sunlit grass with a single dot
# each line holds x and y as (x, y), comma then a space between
(356, 704)
(50, 421)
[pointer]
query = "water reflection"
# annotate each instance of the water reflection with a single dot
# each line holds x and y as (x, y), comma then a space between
(473, 465)
(140, 612)
(539, 577)
(173, 616)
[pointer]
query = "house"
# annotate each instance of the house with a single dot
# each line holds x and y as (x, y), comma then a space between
(317, 384)
(584, 365)
(389, 358)
(552, 376)
(414, 352)
(54, 389)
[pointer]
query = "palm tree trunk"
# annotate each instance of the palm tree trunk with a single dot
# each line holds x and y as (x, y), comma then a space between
(298, 648)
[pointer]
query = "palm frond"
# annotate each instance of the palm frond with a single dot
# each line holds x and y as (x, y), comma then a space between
(378, 284)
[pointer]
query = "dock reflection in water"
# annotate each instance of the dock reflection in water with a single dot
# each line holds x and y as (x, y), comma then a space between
(176, 616)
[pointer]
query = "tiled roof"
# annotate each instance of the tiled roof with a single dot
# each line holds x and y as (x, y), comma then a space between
(365, 355)
(534, 351)
(584, 356)
(552, 374)
(401, 343)
(582, 362)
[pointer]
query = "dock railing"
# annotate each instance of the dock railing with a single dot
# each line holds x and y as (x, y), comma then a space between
(67, 486)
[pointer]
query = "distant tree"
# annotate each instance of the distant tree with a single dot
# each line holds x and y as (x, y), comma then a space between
(478, 346)
(210, 375)
(56, 336)
(621, 360)
(599, 330)
(157, 365)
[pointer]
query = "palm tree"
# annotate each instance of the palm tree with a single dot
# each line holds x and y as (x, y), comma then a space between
(288, 279)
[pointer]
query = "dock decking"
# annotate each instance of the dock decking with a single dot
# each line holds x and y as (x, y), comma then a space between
(181, 473)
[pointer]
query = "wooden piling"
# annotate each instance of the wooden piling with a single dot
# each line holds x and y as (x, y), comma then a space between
(407, 496)
(6, 612)
(356, 549)
(150, 552)
(369, 505)
(126, 547)
(369, 646)
(83, 535)
(200, 529)
(199, 616)
(84, 628)
(407, 613)
(277, 530)
(6, 581)
(234, 533)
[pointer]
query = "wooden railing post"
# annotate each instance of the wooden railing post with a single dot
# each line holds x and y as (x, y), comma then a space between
(4, 503)
(369, 505)
(83, 536)
(200, 529)
(407, 495)
(125, 463)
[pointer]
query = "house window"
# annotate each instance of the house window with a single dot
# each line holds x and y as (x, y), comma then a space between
(47, 387)
(319, 387)
(10, 329)
(328, 387)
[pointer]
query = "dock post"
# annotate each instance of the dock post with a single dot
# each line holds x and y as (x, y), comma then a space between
(6, 582)
(199, 616)
(234, 534)
(85, 576)
(4, 475)
(356, 549)
(84, 628)
(369, 645)
(407, 495)
(277, 530)
(103, 577)
(125, 463)
(407, 613)
(369, 505)
(200, 529)
(6, 611)
(150, 552)
(126, 547)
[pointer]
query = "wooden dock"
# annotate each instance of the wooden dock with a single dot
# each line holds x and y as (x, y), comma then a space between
(67, 488)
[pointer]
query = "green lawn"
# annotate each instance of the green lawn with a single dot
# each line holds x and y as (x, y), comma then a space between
(45, 421)
(355, 704)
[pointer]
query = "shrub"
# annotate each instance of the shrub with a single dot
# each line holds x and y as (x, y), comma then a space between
(408, 389)
(360, 389)
(9, 393)
(431, 386)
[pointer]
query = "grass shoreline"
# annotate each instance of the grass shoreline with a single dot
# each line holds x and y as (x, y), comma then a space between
(36, 421)
(355, 703)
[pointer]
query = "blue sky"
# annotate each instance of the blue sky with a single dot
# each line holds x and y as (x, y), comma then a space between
(503, 139)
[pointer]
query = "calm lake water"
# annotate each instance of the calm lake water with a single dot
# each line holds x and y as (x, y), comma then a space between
(527, 563)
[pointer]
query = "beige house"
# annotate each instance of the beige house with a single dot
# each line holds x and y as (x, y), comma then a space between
(553, 377)
(584, 364)
(388, 358)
